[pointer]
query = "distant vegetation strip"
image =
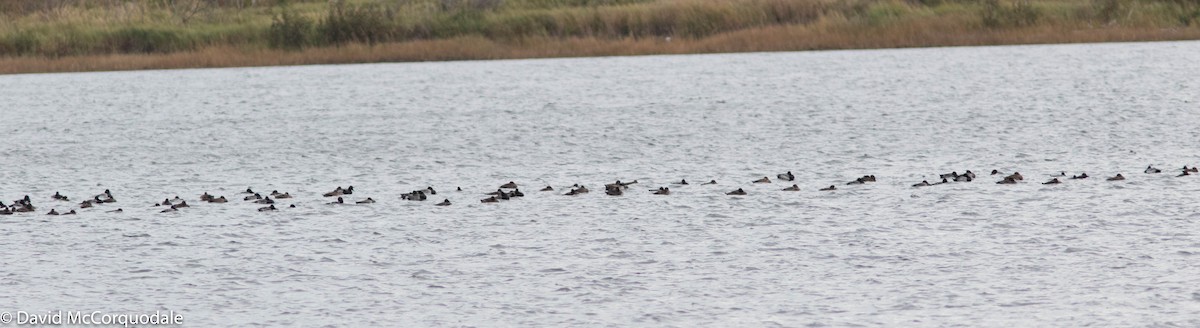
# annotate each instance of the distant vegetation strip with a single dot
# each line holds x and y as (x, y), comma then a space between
(83, 35)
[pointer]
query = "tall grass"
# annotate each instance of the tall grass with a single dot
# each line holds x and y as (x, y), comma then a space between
(291, 31)
(1020, 13)
(53, 30)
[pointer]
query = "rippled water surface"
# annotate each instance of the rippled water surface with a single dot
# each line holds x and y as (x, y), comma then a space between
(1086, 252)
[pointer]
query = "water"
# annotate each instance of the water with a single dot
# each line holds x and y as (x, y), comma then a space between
(1086, 252)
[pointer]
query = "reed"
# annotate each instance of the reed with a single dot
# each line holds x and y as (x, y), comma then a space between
(91, 35)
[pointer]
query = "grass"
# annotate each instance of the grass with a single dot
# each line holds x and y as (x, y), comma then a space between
(88, 35)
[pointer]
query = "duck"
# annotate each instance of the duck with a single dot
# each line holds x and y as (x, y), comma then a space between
(792, 188)
(577, 191)
(1194, 169)
(516, 193)
(4, 210)
(763, 180)
(116, 211)
(871, 178)
(248, 191)
(710, 182)
(292, 206)
(1007, 180)
(504, 196)
(1151, 169)
(366, 201)
(786, 176)
(995, 172)
(86, 204)
(613, 191)
(489, 200)
(417, 195)
(829, 188)
(339, 201)
(950, 175)
(52, 212)
(445, 202)
(923, 183)
(944, 181)
(165, 202)
(431, 191)
(180, 205)
(498, 192)
(662, 191)
(349, 190)
(266, 200)
(206, 197)
(738, 192)
(856, 182)
(682, 182)
(283, 196)
(460, 189)
(509, 185)
(548, 188)
(1016, 176)
(219, 200)
(253, 197)
(1117, 177)
(1052, 181)
(268, 208)
(58, 196)
(1080, 176)
(969, 174)
(965, 177)
(336, 192)
(72, 212)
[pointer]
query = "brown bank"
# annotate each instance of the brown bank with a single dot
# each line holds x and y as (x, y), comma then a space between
(323, 33)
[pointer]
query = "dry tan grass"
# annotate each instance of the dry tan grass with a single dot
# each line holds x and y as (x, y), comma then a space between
(142, 34)
(819, 36)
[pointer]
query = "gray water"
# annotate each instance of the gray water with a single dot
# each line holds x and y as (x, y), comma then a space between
(1083, 253)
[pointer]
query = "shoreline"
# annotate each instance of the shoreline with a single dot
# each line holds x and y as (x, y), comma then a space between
(766, 39)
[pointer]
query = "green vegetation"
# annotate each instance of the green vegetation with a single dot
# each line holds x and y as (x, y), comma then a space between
(62, 29)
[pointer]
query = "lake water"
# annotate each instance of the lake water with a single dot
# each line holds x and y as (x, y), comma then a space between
(1082, 253)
